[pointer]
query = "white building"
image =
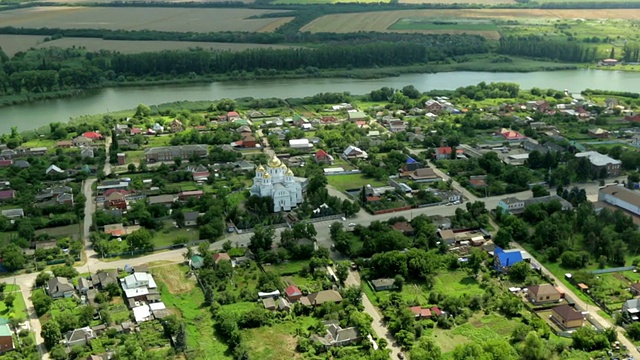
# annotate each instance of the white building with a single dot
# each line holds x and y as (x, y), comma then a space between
(621, 197)
(278, 182)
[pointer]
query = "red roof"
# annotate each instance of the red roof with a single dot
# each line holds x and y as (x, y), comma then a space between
(292, 290)
(7, 194)
(436, 311)
(111, 191)
(420, 311)
(511, 134)
(233, 114)
(321, 154)
(192, 193)
(373, 198)
(136, 131)
(4, 163)
(221, 256)
(446, 150)
(92, 135)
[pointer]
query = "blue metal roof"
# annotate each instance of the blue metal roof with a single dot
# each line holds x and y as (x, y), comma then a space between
(411, 160)
(510, 258)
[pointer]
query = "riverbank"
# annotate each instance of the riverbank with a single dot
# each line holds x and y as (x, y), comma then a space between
(479, 63)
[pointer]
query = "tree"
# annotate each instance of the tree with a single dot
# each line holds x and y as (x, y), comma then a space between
(261, 241)
(131, 168)
(633, 330)
(51, 333)
(503, 238)
(534, 348)
(425, 349)
(342, 271)
(9, 299)
(13, 258)
(142, 111)
(140, 240)
(227, 245)
(42, 278)
(398, 281)
(539, 191)
(65, 271)
(519, 272)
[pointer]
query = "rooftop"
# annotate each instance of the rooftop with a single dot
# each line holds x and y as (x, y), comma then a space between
(622, 193)
(598, 159)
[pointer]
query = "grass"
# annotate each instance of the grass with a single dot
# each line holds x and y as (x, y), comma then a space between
(457, 283)
(291, 267)
(166, 236)
(19, 309)
(277, 342)
(40, 143)
(235, 199)
(202, 340)
(352, 181)
(175, 278)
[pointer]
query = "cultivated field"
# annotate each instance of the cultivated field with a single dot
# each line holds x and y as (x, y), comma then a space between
(480, 27)
(11, 44)
(481, 2)
(125, 18)
(382, 20)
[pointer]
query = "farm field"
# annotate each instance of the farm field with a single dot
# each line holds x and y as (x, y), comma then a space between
(11, 44)
(277, 342)
(327, 1)
(382, 20)
(132, 46)
(355, 181)
(479, 2)
(481, 27)
(159, 19)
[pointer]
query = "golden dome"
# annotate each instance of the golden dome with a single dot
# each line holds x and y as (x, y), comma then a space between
(260, 168)
(266, 176)
(289, 172)
(284, 167)
(274, 162)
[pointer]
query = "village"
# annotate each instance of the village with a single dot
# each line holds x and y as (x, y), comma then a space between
(298, 228)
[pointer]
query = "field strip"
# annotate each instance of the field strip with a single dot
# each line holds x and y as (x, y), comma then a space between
(381, 20)
(479, 2)
(141, 18)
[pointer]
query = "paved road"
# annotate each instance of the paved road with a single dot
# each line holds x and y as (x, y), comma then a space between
(378, 325)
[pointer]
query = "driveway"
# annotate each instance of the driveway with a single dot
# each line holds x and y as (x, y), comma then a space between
(379, 326)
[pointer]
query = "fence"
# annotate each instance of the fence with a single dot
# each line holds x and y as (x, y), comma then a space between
(611, 270)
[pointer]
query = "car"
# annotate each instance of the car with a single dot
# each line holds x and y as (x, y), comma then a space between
(457, 202)
(344, 218)
(333, 246)
(449, 204)
(352, 224)
(400, 356)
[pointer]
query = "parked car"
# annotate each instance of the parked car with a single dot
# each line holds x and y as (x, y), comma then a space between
(352, 224)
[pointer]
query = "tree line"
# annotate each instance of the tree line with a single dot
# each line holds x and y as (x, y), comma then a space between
(536, 47)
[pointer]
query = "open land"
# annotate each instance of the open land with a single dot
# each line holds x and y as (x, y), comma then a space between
(12, 44)
(479, 2)
(383, 20)
(159, 19)
(129, 46)
(355, 181)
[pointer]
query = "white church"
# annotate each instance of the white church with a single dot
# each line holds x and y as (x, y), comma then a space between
(278, 182)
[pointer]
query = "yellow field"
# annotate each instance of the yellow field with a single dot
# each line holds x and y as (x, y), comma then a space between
(381, 20)
(126, 18)
(11, 44)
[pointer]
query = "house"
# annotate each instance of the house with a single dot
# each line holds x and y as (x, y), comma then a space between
(7, 195)
(167, 199)
(156, 128)
(191, 218)
(383, 284)
(22, 164)
(86, 152)
(321, 297)
(337, 336)
(293, 293)
(420, 312)
(6, 338)
(92, 135)
(6, 163)
(435, 311)
(248, 141)
(115, 200)
(510, 135)
(221, 257)
(138, 285)
(53, 169)
(545, 293)
(443, 153)
(600, 162)
(354, 115)
(59, 287)
(280, 304)
(186, 195)
(397, 126)
(410, 165)
(103, 278)
(118, 230)
(169, 153)
(609, 62)
(610, 103)
(84, 285)
(196, 262)
(65, 144)
(13, 213)
(424, 175)
(403, 227)
(478, 181)
(511, 204)
(121, 158)
(176, 126)
(352, 152)
(620, 197)
(447, 235)
(79, 337)
(300, 144)
(635, 289)
(599, 133)
(231, 115)
(504, 260)
(567, 317)
(564, 204)
(631, 309)
(322, 156)
(121, 129)
(433, 106)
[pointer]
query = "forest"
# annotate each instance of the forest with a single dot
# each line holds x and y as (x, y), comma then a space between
(536, 47)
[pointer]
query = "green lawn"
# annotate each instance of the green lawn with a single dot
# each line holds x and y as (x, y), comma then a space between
(18, 309)
(202, 341)
(40, 143)
(156, 141)
(277, 342)
(166, 236)
(235, 199)
(291, 267)
(352, 181)
(457, 283)
(443, 24)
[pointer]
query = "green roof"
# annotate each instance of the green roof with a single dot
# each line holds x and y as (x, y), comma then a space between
(5, 331)
(197, 260)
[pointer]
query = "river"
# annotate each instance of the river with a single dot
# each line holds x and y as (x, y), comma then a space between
(34, 115)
